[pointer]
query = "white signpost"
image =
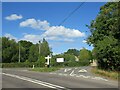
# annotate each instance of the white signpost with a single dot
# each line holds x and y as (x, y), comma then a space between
(60, 59)
(48, 60)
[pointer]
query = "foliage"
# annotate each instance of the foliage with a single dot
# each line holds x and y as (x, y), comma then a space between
(33, 53)
(69, 61)
(107, 74)
(105, 37)
(29, 52)
(45, 69)
(26, 45)
(9, 50)
(85, 55)
(41, 61)
(18, 65)
(44, 50)
(0, 49)
(73, 52)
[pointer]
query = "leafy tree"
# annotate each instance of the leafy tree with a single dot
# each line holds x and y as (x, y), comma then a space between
(33, 53)
(26, 45)
(69, 58)
(9, 50)
(73, 52)
(0, 49)
(85, 55)
(105, 36)
(44, 48)
(41, 61)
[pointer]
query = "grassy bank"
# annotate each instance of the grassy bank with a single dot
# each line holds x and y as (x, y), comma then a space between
(108, 74)
(45, 69)
(0, 65)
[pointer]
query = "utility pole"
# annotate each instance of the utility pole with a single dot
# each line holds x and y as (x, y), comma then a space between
(19, 51)
(39, 47)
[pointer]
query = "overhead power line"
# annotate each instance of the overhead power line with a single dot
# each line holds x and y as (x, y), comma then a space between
(71, 13)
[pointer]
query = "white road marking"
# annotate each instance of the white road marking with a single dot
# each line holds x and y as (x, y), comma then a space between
(82, 70)
(83, 76)
(60, 74)
(65, 74)
(99, 78)
(68, 69)
(72, 73)
(35, 81)
(52, 73)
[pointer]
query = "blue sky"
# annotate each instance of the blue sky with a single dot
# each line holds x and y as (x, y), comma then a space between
(34, 21)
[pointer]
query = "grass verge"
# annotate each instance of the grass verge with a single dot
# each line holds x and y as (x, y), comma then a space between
(45, 69)
(108, 74)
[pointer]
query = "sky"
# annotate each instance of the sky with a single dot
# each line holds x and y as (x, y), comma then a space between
(33, 21)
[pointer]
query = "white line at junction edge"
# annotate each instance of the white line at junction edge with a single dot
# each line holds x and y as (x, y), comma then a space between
(49, 85)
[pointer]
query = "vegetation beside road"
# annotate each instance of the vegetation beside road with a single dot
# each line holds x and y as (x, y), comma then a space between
(41, 65)
(45, 69)
(0, 65)
(105, 37)
(108, 74)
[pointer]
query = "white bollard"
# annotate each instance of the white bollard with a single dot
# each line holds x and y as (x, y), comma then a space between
(33, 66)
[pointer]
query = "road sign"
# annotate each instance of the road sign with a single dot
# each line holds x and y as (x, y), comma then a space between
(48, 60)
(60, 59)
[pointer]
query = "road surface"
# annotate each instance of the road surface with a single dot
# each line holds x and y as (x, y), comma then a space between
(22, 78)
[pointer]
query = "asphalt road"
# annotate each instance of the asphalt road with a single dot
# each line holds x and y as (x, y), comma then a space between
(22, 78)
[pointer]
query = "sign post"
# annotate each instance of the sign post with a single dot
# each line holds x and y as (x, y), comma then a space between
(48, 60)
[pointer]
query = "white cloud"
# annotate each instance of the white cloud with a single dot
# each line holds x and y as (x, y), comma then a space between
(84, 41)
(28, 37)
(13, 17)
(10, 36)
(35, 38)
(59, 39)
(58, 33)
(35, 24)
(52, 31)
(31, 38)
(63, 32)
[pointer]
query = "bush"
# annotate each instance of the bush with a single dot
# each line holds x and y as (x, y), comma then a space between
(70, 64)
(20, 65)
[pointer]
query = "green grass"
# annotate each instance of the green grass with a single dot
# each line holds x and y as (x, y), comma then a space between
(108, 74)
(45, 69)
(0, 65)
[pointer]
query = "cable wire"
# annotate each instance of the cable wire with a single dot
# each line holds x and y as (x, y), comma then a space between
(71, 13)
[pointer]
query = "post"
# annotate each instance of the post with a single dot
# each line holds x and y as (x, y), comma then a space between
(48, 60)
(33, 66)
(39, 47)
(19, 51)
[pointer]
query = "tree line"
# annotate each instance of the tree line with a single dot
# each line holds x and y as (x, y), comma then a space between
(105, 37)
(28, 51)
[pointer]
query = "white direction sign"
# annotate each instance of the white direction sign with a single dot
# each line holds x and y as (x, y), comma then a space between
(60, 59)
(48, 59)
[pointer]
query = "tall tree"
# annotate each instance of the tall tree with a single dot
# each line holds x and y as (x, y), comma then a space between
(26, 45)
(9, 50)
(105, 36)
(44, 49)
(85, 55)
(33, 53)
(73, 52)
